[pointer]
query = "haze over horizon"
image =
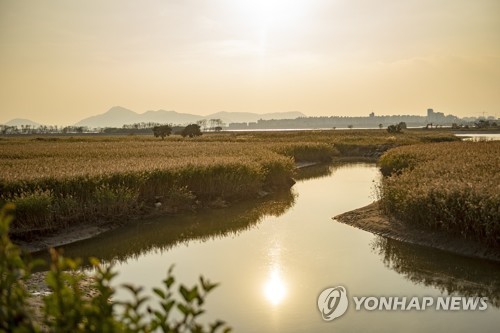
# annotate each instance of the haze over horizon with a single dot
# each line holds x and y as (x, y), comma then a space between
(63, 61)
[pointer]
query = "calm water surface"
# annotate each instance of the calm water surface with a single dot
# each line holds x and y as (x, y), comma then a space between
(273, 257)
(480, 137)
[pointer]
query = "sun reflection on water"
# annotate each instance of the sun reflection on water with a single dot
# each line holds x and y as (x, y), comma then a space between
(275, 288)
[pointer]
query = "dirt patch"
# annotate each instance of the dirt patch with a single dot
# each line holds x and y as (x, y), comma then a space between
(371, 218)
(37, 289)
(63, 237)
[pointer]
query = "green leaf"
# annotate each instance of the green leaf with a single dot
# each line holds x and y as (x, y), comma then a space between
(216, 325)
(184, 309)
(159, 292)
(169, 281)
(168, 306)
(193, 294)
(197, 313)
(184, 292)
(134, 290)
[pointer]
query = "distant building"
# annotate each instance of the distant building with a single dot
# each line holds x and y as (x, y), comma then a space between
(433, 117)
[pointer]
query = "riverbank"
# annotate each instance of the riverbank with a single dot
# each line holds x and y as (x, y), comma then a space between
(371, 218)
(450, 186)
(63, 237)
(82, 186)
(81, 232)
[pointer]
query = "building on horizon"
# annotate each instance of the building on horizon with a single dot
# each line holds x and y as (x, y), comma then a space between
(433, 117)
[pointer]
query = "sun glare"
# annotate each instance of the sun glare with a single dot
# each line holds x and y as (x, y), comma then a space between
(275, 289)
(269, 21)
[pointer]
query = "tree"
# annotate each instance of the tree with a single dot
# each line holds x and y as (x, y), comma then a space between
(202, 123)
(350, 126)
(214, 123)
(191, 130)
(394, 128)
(380, 126)
(402, 125)
(162, 131)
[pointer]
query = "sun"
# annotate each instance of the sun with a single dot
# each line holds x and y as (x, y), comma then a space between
(270, 21)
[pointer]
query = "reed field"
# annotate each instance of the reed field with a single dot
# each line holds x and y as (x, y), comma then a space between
(449, 186)
(59, 181)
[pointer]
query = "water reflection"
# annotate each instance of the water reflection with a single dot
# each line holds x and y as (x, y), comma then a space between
(161, 234)
(449, 273)
(275, 288)
(479, 136)
(315, 172)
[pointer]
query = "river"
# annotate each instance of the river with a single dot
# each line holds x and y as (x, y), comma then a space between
(479, 136)
(274, 256)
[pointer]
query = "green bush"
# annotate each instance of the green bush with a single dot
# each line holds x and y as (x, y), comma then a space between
(67, 309)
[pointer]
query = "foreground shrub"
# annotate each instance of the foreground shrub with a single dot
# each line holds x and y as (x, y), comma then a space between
(67, 309)
(449, 186)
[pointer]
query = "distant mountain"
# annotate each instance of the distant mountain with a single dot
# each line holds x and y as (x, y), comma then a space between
(118, 116)
(19, 121)
(162, 116)
(114, 117)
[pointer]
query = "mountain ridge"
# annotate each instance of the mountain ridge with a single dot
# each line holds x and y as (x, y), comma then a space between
(21, 121)
(118, 116)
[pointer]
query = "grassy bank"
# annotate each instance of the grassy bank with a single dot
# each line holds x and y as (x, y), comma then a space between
(57, 184)
(449, 186)
(59, 181)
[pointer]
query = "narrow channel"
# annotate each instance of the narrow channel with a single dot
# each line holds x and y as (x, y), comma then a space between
(275, 255)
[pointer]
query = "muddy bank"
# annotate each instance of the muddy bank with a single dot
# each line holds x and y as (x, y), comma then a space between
(65, 236)
(37, 288)
(371, 219)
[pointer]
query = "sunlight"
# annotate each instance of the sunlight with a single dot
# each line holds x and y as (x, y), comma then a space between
(270, 19)
(275, 288)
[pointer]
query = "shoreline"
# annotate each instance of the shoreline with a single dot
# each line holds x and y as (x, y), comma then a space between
(64, 237)
(371, 219)
(82, 232)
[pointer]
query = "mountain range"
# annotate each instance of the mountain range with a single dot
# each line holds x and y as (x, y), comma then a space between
(118, 116)
(22, 122)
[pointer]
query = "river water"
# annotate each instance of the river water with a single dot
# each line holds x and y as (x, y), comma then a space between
(274, 256)
(479, 136)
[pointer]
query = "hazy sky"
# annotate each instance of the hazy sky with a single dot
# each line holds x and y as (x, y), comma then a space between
(61, 61)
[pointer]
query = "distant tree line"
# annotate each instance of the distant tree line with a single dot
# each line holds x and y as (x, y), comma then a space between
(398, 128)
(344, 122)
(43, 129)
(191, 130)
(216, 125)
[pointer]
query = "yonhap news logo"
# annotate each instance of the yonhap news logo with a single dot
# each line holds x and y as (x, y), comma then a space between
(333, 303)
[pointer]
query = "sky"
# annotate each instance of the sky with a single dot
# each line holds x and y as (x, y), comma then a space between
(64, 60)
